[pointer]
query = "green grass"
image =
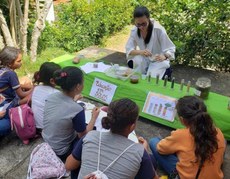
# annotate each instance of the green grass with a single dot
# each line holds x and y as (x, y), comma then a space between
(117, 40)
(28, 67)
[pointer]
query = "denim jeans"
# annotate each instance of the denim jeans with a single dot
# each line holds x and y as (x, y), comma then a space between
(5, 126)
(167, 162)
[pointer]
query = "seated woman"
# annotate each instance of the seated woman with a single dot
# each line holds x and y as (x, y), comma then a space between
(64, 119)
(149, 49)
(112, 153)
(11, 91)
(196, 151)
(45, 87)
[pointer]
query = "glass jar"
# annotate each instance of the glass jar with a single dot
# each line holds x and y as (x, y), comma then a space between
(202, 88)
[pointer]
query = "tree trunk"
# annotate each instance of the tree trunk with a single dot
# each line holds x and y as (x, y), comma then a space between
(25, 26)
(1, 41)
(5, 30)
(38, 28)
(12, 14)
(19, 22)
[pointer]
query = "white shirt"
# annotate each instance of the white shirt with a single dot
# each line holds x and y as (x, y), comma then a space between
(159, 43)
(39, 96)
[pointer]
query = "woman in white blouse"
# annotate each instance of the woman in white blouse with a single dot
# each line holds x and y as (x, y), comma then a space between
(149, 49)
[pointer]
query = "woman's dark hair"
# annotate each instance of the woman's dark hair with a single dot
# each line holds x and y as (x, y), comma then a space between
(195, 116)
(121, 113)
(68, 78)
(141, 11)
(45, 73)
(8, 55)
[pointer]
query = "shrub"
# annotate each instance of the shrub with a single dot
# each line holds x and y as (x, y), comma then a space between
(199, 29)
(81, 24)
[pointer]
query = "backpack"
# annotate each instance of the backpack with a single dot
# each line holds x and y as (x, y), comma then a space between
(22, 121)
(101, 174)
(44, 163)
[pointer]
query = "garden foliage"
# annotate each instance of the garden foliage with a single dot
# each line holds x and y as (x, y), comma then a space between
(199, 29)
(81, 24)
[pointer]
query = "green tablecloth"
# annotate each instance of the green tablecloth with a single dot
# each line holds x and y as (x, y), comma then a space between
(217, 104)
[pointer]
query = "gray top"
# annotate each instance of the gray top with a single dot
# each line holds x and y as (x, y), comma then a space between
(58, 129)
(112, 145)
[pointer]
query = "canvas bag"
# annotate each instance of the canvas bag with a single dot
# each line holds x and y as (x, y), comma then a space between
(22, 121)
(101, 174)
(44, 163)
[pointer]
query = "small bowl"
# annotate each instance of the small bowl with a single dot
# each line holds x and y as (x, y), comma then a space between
(122, 69)
(134, 79)
(120, 73)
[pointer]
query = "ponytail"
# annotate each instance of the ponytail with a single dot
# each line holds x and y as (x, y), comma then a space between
(205, 136)
(45, 73)
(121, 113)
(195, 116)
(36, 79)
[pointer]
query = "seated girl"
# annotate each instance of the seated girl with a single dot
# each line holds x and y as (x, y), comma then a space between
(112, 153)
(10, 89)
(196, 151)
(64, 119)
(45, 86)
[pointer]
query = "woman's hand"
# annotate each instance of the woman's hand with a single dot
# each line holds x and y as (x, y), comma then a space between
(145, 53)
(95, 113)
(160, 58)
(90, 176)
(142, 141)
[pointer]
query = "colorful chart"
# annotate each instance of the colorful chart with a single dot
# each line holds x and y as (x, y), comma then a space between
(160, 106)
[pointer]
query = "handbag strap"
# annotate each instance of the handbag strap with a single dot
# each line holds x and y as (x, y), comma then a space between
(199, 169)
(99, 153)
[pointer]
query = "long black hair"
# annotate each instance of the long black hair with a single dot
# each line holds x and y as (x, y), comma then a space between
(195, 117)
(68, 78)
(121, 113)
(45, 73)
(141, 11)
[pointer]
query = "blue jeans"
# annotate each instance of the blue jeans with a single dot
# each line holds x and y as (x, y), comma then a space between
(167, 162)
(4, 126)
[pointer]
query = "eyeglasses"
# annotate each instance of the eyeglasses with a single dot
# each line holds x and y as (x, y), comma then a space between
(144, 24)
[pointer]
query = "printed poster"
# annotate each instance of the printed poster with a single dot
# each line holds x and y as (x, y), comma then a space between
(103, 90)
(160, 106)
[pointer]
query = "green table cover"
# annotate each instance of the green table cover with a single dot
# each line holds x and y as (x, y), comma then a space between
(216, 103)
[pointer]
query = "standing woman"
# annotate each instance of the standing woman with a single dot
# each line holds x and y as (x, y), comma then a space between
(149, 44)
(196, 151)
(64, 119)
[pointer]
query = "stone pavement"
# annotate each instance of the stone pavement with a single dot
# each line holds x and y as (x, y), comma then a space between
(14, 156)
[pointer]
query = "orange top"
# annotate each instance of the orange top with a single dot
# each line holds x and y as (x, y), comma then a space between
(182, 143)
